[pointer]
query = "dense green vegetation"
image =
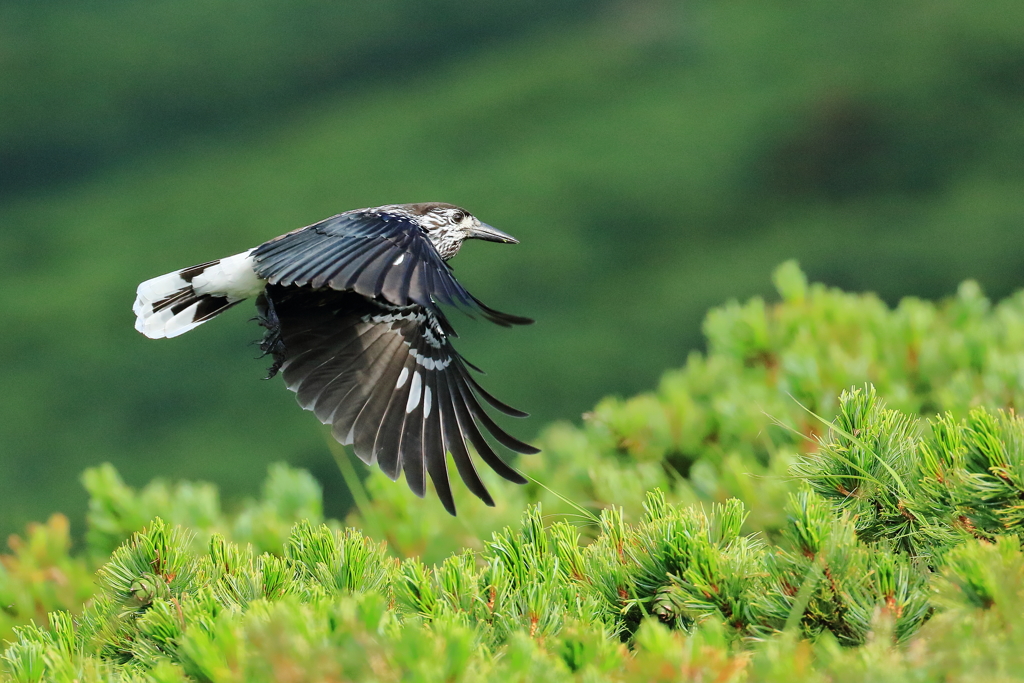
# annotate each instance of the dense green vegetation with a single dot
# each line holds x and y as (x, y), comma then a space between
(886, 538)
(654, 160)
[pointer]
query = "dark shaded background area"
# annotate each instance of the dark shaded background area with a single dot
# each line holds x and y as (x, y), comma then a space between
(654, 158)
(83, 85)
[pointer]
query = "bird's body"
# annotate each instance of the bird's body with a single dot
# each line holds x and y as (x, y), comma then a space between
(350, 307)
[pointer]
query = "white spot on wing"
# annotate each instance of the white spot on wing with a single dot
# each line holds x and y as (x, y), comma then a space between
(399, 260)
(414, 394)
(430, 363)
(402, 378)
(426, 402)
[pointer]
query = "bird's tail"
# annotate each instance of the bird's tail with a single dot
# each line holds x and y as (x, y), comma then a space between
(168, 305)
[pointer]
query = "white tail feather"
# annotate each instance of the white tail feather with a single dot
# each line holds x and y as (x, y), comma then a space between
(173, 304)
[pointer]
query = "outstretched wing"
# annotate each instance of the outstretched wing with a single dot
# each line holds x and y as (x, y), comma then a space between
(381, 255)
(390, 384)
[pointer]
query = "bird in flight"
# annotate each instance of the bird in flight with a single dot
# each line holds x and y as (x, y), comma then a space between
(350, 307)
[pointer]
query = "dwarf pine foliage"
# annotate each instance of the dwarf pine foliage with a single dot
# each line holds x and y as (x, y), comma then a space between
(831, 493)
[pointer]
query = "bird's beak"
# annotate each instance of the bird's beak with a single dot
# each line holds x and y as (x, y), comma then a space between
(491, 234)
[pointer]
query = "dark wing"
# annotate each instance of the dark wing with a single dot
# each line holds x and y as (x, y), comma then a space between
(390, 384)
(380, 255)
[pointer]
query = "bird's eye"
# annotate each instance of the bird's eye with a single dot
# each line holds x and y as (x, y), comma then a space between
(458, 216)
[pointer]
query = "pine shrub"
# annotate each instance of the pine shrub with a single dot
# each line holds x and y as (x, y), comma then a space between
(831, 493)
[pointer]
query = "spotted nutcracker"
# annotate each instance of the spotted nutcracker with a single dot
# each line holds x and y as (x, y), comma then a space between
(352, 318)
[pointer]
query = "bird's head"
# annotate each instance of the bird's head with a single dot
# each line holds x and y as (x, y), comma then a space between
(447, 226)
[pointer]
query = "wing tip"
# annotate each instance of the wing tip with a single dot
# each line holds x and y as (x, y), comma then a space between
(518, 479)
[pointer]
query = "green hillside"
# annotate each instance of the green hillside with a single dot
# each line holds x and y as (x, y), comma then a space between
(83, 85)
(651, 162)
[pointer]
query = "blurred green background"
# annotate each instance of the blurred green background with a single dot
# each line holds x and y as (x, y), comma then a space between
(654, 158)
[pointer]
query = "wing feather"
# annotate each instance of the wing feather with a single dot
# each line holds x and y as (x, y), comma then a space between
(495, 403)
(350, 404)
(388, 436)
(410, 449)
(389, 383)
(431, 444)
(343, 388)
(467, 409)
(348, 276)
(370, 281)
(499, 434)
(455, 441)
(374, 253)
(397, 283)
(368, 421)
(321, 350)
